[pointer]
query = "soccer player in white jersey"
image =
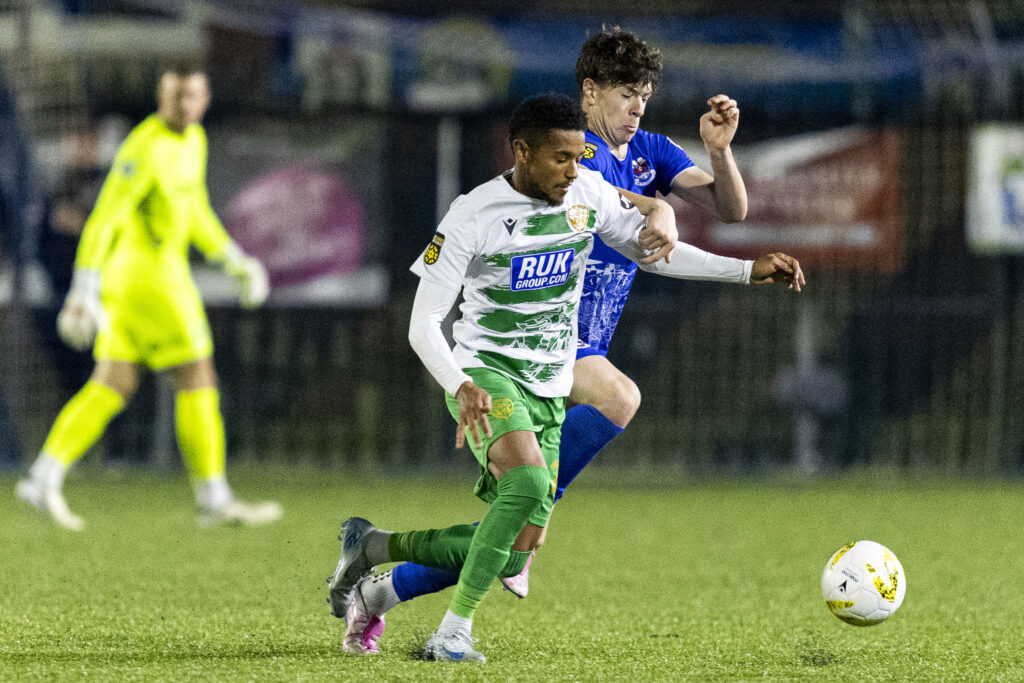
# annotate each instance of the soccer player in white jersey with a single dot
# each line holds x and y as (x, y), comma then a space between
(516, 247)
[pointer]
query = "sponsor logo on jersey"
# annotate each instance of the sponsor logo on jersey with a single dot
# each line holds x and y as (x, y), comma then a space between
(502, 408)
(589, 150)
(537, 271)
(433, 249)
(510, 224)
(578, 216)
(625, 203)
(643, 174)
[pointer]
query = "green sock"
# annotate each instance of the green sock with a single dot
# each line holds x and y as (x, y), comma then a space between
(520, 492)
(445, 549)
(82, 421)
(516, 563)
(441, 548)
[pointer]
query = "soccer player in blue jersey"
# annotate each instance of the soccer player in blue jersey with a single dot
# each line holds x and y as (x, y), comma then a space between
(617, 74)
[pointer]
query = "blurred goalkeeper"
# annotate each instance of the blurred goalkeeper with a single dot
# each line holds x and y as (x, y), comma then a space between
(133, 300)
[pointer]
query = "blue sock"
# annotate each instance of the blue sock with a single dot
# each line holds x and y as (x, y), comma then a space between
(584, 433)
(412, 580)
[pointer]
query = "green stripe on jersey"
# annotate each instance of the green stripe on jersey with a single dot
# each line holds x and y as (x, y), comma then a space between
(505, 260)
(553, 224)
(526, 371)
(504, 296)
(507, 320)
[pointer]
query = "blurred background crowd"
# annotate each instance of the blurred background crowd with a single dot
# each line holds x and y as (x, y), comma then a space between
(882, 142)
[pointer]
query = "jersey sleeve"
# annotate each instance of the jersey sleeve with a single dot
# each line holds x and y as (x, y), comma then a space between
(618, 221)
(208, 233)
(446, 259)
(129, 181)
(429, 309)
(670, 161)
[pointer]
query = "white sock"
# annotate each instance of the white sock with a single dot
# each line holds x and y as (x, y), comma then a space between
(48, 472)
(453, 622)
(212, 493)
(377, 546)
(379, 593)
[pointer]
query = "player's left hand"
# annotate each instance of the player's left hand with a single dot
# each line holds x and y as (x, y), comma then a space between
(255, 283)
(718, 126)
(778, 267)
(659, 235)
(252, 280)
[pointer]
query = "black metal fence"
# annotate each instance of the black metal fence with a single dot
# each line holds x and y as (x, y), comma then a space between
(917, 369)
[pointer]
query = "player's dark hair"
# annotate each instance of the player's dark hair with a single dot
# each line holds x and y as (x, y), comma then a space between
(184, 67)
(617, 57)
(536, 116)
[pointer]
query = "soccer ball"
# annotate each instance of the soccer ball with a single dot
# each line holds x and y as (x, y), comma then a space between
(863, 583)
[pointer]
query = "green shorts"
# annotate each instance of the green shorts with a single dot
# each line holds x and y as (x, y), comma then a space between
(515, 408)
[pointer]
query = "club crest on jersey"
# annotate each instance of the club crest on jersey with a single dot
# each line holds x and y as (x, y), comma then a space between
(537, 271)
(578, 216)
(589, 150)
(643, 174)
(433, 249)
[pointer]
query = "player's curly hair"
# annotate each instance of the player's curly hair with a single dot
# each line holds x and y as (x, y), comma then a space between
(618, 57)
(537, 115)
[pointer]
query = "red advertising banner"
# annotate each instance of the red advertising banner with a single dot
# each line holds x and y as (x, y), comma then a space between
(828, 198)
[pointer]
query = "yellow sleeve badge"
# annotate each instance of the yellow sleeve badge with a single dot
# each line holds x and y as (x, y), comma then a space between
(589, 150)
(433, 249)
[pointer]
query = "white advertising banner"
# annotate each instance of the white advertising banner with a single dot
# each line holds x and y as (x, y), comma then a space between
(995, 190)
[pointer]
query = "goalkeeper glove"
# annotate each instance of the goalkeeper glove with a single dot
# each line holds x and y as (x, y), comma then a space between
(82, 316)
(249, 273)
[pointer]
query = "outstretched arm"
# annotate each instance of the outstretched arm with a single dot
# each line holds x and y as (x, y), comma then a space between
(691, 263)
(723, 194)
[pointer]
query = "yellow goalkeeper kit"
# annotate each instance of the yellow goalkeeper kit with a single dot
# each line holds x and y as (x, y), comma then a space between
(154, 204)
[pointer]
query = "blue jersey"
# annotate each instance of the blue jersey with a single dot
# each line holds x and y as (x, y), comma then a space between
(652, 162)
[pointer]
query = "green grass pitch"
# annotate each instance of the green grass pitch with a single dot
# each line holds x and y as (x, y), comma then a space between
(707, 581)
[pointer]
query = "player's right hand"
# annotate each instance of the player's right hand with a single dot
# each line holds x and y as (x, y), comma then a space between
(78, 323)
(82, 315)
(474, 406)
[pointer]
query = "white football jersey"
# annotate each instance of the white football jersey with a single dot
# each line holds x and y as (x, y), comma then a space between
(520, 264)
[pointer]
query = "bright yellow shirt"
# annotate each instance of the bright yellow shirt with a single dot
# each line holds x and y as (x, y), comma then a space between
(154, 204)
